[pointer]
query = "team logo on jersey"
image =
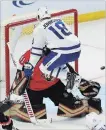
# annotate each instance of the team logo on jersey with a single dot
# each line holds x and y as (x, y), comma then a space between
(21, 3)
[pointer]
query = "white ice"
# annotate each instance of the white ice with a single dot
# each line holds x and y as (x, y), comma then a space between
(92, 37)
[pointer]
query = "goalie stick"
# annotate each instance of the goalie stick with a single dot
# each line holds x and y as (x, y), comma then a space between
(29, 106)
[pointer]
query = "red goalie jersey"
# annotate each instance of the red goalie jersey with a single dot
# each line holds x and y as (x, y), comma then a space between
(38, 82)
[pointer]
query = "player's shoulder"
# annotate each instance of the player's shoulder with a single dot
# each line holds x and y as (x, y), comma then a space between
(38, 28)
(43, 24)
(48, 22)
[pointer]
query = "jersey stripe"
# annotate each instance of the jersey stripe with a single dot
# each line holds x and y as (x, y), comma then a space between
(36, 54)
(37, 48)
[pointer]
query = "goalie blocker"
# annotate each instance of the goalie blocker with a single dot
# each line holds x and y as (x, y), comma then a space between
(39, 88)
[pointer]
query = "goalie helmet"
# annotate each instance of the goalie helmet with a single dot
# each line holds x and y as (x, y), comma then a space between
(42, 13)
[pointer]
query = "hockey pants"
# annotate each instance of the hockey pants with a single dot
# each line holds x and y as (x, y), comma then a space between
(54, 62)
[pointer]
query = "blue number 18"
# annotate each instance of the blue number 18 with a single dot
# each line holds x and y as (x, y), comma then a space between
(60, 25)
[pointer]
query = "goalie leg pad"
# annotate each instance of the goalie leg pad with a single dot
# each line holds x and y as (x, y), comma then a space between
(19, 112)
(40, 111)
(95, 105)
(76, 109)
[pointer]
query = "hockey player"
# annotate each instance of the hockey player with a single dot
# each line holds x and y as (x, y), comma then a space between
(5, 122)
(63, 45)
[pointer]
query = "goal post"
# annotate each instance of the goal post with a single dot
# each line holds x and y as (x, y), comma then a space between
(65, 15)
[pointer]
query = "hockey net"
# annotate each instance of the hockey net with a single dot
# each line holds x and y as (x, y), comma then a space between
(28, 22)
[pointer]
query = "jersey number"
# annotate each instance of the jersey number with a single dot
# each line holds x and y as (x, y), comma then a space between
(60, 25)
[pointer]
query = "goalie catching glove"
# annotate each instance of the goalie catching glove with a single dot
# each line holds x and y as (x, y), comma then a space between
(19, 85)
(89, 88)
(28, 69)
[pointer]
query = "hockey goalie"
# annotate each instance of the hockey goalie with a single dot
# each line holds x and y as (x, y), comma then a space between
(44, 72)
(40, 87)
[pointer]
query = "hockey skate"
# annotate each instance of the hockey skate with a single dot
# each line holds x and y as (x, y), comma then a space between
(73, 81)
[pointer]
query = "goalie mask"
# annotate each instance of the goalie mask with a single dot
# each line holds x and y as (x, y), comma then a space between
(42, 13)
(89, 88)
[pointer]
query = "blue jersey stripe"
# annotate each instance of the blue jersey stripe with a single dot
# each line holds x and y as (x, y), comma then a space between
(37, 48)
(67, 48)
(55, 32)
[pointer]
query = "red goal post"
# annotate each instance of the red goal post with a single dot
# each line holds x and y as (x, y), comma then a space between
(73, 20)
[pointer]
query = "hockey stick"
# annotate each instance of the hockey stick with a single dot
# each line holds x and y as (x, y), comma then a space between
(29, 106)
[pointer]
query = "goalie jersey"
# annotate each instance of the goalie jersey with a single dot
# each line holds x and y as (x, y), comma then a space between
(56, 35)
(38, 81)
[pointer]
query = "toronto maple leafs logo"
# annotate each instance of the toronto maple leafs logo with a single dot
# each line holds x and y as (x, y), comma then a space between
(21, 3)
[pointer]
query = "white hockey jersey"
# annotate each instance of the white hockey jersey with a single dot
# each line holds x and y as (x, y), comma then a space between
(56, 35)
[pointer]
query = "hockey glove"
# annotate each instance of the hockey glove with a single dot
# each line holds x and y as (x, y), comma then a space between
(28, 69)
(89, 88)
